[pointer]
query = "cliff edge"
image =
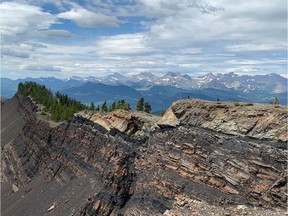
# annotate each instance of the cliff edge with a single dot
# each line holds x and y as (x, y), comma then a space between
(261, 121)
(129, 163)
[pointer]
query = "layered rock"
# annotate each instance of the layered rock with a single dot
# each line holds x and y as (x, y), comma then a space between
(139, 125)
(262, 121)
(136, 164)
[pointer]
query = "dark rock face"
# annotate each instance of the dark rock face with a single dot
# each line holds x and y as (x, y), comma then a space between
(127, 176)
(11, 120)
(216, 167)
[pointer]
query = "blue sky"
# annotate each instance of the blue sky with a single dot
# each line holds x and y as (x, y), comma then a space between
(96, 37)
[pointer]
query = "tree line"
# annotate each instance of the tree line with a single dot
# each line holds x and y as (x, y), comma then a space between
(63, 107)
(122, 104)
(59, 105)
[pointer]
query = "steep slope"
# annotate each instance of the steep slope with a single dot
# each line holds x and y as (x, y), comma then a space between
(11, 120)
(134, 164)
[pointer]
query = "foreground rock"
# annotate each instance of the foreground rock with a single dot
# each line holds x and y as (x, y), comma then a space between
(126, 163)
(139, 125)
(262, 121)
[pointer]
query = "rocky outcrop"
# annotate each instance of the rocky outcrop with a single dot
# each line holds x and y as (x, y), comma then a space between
(262, 121)
(136, 164)
(139, 125)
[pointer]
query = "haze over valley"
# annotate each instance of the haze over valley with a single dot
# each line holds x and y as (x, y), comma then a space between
(162, 91)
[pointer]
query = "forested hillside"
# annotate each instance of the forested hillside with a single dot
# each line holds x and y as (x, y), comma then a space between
(59, 105)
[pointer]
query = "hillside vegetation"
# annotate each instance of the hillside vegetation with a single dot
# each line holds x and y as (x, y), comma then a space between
(59, 105)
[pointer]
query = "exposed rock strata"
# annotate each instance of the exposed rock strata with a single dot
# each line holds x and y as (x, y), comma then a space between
(138, 165)
(261, 121)
(139, 125)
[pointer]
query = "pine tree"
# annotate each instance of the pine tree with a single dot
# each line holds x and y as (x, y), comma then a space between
(60, 106)
(92, 106)
(140, 104)
(104, 107)
(128, 107)
(112, 107)
(147, 107)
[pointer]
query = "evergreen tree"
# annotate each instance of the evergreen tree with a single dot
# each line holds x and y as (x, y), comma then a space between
(147, 107)
(140, 104)
(162, 112)
(98, 108)
(92, 106)
(60, 106)
(113, 107)
(128, 107)
(104, 107)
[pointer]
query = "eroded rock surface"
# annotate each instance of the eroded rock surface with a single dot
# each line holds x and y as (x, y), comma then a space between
(139, 125)
(262, 121)
(135, 164)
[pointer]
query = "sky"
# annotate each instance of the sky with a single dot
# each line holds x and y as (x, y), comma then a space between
(43, 38)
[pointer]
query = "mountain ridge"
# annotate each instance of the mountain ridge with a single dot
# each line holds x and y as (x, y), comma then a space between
(226, 87)
(229, 80)
(132, 163)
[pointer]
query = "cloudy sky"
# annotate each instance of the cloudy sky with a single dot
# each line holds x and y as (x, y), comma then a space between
(95, 37)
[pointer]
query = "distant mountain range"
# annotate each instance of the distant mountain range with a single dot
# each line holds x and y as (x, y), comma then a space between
(161, 91)
(272, 83)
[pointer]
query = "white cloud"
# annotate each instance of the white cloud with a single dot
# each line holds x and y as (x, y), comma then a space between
(256, 47)
(20, 22)
(189, 36)
(60, 5)
(15, 52)
(88, 19)
(240, 21)
(37, 67)
(21, 26)
(126, 44)
(56, 33)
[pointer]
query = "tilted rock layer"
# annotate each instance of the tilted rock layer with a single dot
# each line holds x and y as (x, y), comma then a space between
(132, 163)
(262, 121)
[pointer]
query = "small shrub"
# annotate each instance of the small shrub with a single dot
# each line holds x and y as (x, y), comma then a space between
(276, 102)
(236, 104)
(249, 104)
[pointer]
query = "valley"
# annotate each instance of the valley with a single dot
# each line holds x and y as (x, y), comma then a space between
(160, 92)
